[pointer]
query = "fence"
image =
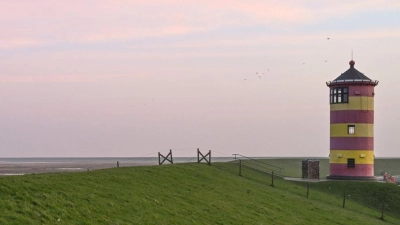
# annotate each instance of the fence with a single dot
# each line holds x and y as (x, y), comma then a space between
(258, 165)
(381, 198)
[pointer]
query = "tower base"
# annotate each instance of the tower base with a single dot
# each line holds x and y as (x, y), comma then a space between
(333, 177)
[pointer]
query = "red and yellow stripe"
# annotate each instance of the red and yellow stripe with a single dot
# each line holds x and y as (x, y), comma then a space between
(341, 170)
(355, 103)
(360, 156)
(352, 116)
(359, 111)
(352, 143)
(361, 130)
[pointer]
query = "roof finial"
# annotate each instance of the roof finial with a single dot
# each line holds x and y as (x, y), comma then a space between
(352, 62)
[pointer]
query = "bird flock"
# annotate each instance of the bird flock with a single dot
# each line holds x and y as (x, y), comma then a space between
(328, 38)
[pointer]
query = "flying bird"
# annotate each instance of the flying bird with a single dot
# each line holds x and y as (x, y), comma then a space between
(326, 60)
(328, 38)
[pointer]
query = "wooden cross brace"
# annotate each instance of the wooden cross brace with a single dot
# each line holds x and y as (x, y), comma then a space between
(165, 158)
(204, 157)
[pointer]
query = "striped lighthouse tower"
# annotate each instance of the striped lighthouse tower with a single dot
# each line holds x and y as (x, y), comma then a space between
(351, 125)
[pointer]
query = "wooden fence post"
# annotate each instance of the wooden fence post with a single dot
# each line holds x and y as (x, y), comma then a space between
(117, 164)
(383, 207)
(272, 179)
(240, 167)
(344, 198)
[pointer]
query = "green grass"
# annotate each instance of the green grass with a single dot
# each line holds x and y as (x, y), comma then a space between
(185, 194)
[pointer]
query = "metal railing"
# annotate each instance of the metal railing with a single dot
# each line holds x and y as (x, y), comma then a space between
(259, 165)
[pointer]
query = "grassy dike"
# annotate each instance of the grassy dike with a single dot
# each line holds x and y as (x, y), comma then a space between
(184, 194)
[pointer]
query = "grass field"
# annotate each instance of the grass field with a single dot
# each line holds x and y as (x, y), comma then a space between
(190, 194)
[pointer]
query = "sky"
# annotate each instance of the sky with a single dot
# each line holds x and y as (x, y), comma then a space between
(133, 78)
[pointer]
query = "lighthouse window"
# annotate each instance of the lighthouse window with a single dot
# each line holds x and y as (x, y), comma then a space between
(339, 95)
(351, 129)
(351, 163)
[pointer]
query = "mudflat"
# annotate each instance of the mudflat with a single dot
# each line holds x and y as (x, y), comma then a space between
(9, 169)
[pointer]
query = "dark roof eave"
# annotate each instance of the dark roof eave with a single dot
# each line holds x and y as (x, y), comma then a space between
(352, 82)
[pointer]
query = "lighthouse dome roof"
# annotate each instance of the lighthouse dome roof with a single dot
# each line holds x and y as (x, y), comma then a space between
(354, 76)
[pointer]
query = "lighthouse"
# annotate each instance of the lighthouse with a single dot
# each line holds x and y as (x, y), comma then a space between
(351, 98)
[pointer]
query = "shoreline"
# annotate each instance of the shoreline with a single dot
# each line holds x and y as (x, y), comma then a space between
(14, 167)
(17, 169)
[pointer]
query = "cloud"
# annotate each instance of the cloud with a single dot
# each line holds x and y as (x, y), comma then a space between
(62, 78)
(15, 43)
(27, 23)
(121, 34)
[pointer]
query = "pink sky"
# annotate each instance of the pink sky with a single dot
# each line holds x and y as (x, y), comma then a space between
(133, 78)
